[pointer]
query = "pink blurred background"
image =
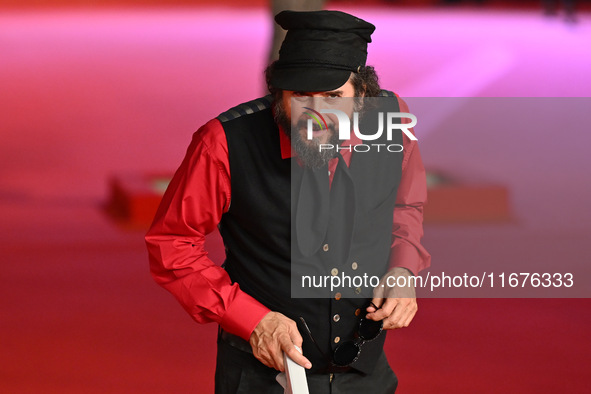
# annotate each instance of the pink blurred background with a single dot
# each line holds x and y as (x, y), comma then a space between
(91, 89)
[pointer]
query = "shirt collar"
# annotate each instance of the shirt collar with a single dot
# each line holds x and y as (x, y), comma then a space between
(286, 151)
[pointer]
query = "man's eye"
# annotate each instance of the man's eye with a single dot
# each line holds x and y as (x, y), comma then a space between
(300, 96)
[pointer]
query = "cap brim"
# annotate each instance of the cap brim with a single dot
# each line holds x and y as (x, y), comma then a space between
(308, 79)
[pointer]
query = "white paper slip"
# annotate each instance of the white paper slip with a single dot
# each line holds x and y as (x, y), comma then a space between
(295, 377)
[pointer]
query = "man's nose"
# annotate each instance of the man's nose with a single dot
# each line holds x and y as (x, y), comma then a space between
(317, 102)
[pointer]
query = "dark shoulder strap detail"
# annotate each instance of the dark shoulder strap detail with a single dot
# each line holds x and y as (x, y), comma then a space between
(386, 93)
(247, 108)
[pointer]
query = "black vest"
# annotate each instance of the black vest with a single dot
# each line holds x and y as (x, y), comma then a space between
(257, 231)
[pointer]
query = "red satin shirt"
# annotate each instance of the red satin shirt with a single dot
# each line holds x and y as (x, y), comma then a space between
(200, 193)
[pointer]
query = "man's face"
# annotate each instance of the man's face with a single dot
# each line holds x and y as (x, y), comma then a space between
(291, 114)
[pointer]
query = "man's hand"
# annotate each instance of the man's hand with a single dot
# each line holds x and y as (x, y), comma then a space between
(274, 335)
(397, 305)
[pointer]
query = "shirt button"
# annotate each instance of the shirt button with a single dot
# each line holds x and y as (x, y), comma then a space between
(338, 296)
(336, 318)
(334, 272)
(357, 312)
(337, 339)
(328, 173)
(325, 247)
(358, 290)
(354, 265)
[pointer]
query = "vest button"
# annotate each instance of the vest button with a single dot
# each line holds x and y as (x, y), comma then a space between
(338, 296)
(357, 312)
(334, 272)
(337, 339)
(354, 265)
(336, 318)
(325, 247)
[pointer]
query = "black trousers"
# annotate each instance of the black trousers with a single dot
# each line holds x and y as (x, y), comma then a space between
(239, 372)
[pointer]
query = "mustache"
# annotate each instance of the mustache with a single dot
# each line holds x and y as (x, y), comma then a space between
(303, 124)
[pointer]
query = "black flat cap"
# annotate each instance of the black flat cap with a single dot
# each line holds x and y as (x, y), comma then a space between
(320, 50)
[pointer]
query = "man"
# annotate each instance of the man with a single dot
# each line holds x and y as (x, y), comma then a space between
(244, 174)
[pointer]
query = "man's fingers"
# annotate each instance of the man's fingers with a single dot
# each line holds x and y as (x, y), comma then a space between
(273, 355)
(398, 312)
(375, 302)
(265, 358)
(289, 348)
(386, 309)
(295, 336)
(379, 293)
(411, 316)
(402, 314)
(274, 335)
(277, 356)
(392, 322)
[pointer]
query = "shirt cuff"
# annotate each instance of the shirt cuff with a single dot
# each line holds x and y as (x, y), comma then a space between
(406, 256)
(243, 315)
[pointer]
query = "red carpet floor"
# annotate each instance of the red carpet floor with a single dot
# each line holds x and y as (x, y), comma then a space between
(84, 95)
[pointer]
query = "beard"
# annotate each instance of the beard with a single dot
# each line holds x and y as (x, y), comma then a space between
(308, 151)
